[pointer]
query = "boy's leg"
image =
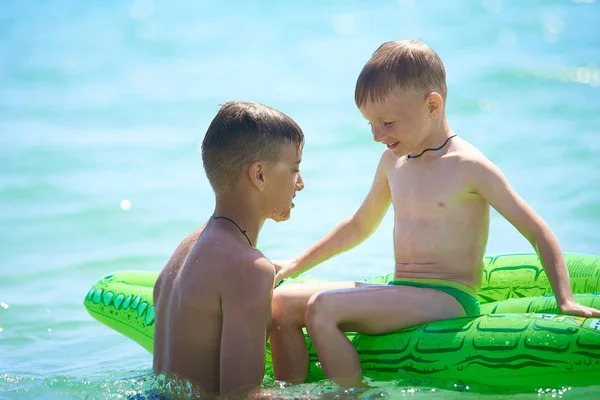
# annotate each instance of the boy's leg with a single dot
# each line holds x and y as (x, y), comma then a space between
(288, 345)
(371, 309)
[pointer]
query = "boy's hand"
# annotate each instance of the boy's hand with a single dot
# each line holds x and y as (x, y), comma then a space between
(283, 269)
(572, 308)
(279, 264)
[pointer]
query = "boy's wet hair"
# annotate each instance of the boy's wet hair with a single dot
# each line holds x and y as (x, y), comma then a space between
(243, 132)
(409, 65)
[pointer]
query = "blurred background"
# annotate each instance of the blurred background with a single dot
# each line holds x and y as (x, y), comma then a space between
(103, 105)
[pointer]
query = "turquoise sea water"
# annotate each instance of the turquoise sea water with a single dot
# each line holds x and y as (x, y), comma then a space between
(102, 102)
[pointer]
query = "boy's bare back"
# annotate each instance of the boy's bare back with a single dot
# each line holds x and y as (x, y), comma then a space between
(209, 272)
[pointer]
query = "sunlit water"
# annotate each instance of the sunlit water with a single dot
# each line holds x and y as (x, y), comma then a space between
(102, 102)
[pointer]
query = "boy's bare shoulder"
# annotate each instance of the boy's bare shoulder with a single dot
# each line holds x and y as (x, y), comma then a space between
(175, 262)
(245, 274)
(473, 166)
(468, 156)
(232, 260)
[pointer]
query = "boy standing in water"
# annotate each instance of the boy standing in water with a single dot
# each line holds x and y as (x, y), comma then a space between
(441, 188)
(213, 297)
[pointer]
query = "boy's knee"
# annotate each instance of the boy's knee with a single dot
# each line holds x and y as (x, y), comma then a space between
(320, 310)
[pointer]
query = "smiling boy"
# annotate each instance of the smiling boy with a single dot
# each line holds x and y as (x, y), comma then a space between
(441, 188)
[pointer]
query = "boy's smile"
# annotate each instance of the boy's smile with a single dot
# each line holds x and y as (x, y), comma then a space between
(392, 145)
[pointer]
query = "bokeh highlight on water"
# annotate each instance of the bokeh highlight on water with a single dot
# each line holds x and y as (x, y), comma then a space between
(103, 106)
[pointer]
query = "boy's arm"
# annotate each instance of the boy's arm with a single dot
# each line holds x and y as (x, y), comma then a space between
(492, 185)
(351, 231)
(246, 312)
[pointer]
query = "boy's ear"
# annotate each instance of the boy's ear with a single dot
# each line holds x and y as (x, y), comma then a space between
(256, 173)
(435, 104)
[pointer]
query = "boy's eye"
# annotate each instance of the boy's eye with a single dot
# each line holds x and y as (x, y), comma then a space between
(388, 124)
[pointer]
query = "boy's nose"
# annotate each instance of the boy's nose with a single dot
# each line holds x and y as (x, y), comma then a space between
(299, 183)
(377, 133)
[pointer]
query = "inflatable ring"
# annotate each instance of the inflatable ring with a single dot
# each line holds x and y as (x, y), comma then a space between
(519, 341)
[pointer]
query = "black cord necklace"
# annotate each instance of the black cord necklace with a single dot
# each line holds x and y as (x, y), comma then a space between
(434, 149)
(236, 225)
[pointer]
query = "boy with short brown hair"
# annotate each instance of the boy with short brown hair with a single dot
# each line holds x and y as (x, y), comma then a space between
(213, 297)
(441, 188)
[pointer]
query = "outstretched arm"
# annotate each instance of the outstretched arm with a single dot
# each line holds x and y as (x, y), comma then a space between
(246, 310)
(351, 231)
(493, 186)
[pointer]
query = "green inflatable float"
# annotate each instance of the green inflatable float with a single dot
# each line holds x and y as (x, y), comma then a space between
(519, 341)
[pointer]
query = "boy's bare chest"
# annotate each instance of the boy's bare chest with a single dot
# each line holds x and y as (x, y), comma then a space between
(417, 190)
